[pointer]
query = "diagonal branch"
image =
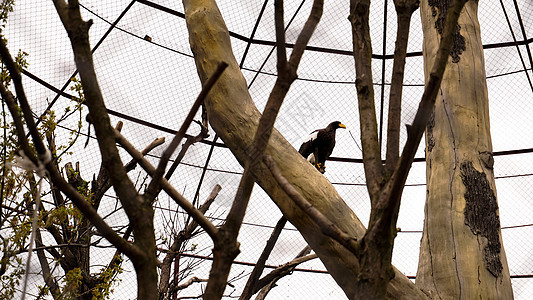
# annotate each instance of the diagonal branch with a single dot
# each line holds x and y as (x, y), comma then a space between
(306, 33)
(190, 140)
(265, 284)
(196, 214)
(153, 187)
(266, 124)
(9, 99)
(77, 199)
(179, 239)
(103, 182)
(326, 226)
(78, 32)
(260, 264)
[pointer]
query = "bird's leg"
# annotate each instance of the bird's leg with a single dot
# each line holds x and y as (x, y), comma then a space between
(321, 167)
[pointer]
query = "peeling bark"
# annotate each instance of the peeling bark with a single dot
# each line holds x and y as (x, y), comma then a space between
(439, 8)
(481, 214)
(461, 255)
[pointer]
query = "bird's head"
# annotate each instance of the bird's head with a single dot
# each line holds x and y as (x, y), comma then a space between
(335, 125)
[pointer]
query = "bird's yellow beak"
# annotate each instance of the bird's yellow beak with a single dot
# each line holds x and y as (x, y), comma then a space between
(342, 125)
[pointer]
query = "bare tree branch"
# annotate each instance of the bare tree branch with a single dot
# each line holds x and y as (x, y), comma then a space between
(138, 208)
(226, 246)
(189, 283)
(78, 32)
(260, 264)
(103, 182)
(196, 214)
(362, 51)
(390, 197)
(153, 187)
(181, 237)
(267, 283)
(234, 117)
(305, 34)
(404, 11)
(190, 140)
(85, 207)
(326, 226)
(378, 241)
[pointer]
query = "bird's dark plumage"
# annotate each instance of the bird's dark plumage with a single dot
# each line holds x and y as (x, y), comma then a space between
(319, 145)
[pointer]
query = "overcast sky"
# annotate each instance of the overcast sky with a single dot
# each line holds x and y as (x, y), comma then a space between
(157, 82)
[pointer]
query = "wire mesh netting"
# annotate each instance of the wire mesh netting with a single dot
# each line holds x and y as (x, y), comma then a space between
(149, 81)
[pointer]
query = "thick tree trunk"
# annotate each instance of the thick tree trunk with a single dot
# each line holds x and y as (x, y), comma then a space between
(462, 255)
(234, 117)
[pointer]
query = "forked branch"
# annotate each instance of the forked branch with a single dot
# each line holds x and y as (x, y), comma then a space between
(378, 241)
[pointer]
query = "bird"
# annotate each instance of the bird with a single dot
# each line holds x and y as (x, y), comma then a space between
(318, 146)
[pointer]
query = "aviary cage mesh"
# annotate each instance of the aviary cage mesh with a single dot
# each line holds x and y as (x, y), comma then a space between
(150, 84)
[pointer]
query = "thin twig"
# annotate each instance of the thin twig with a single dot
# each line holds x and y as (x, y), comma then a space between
(179, 239)
(154, 144)
(267, 283)
(190, 140)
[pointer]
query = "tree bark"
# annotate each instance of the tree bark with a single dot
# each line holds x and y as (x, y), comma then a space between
(461, 254)
(234, 117)
(362, 51)
(138, 208)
